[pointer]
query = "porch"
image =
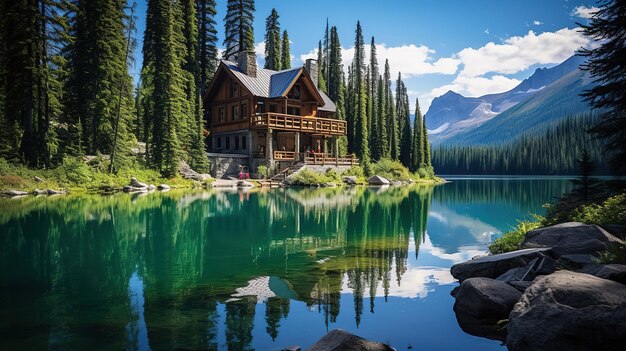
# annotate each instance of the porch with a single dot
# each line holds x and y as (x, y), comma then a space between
(316, 158)
(307, 124)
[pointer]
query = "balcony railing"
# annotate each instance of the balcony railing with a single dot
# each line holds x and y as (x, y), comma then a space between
(317, 158)
(308, 124)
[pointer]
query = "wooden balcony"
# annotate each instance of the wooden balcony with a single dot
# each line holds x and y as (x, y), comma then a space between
(306, 124)
(317, 158)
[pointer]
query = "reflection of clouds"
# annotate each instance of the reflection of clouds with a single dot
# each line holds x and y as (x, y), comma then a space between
(481, 231)
(416, 282)
(465, 253)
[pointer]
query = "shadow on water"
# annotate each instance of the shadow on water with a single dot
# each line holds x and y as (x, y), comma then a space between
(242, 270)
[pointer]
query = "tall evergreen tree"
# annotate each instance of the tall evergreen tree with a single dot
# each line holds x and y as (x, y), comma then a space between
(238, 27)
(325, 61)
(321, 80)
(207, 41)
(379, 130)
(99, 80)
(427, 156)
(607, 66)
(361, 133)
(417, 145)
(391, 144)
(285, 52)
(587, 187)
(373, 116)
(272, 42)
(404, 122)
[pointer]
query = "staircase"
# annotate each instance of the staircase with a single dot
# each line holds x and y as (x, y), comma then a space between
(282, 175)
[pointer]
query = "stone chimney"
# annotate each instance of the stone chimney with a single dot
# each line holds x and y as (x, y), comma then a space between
(311, 67)
(246, 61)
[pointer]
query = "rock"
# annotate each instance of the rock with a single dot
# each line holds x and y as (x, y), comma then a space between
(396, 183)
(132, 189)
(55, 192)
(495, 265)
(151, 187)
(577, 260)
(339, 340)
(329, 185)
(13, 193)
(616, 229)
(377, 180)
(569, 311)
(614, 272)
(39, 179)
(481, 303)
(38, 192)
(520, 285)
(571, 238)
(137, 184)
(547, 265)
(164, 187)
(349, 180)
(188, 173)
(518, 273)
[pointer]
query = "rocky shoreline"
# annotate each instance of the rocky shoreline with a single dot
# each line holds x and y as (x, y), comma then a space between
(552, 294)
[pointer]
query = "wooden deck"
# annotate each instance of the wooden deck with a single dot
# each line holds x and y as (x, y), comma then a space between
(307, 124)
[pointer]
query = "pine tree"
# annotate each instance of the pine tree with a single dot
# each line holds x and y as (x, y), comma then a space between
(207, 41)
(427, 157)
(272, 42)
(373, 116)
(285, 52)
(321, 80)
(379, 130)
(392, 124)
(404, 122)
(587, 187)
(325, 61)
(417, 146)
(361, 133)
(607, 66)
(238, 27)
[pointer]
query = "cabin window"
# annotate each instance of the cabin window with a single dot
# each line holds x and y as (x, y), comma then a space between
(272, 107)
(234, 112)
(293, 110)
(221, 114)
(227, 143)
(244, 145)
(260, 107)
(219, 143)
(294, 93)
(244, 111)
(234, 89)
(236, 143)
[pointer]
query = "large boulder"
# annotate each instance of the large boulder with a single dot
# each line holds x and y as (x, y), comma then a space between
(483, 302)
(339, 340)
(14, 193)
(617, 230)
(569, 311)
(137, 184)
(495, 265)
(571, 238)
(350, 180)
(378, 180)
(615, 272)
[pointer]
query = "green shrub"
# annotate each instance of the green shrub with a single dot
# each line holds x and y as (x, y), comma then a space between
(390, 169)
(332, 174)
(262, 171)
(512, 240)
(356, 171)
(310, 177)
(612, 211)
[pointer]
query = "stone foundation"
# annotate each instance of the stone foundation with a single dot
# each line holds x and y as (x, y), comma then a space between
(225, 165)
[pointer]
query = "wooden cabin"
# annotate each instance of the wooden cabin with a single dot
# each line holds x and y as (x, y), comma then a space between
(272, 117)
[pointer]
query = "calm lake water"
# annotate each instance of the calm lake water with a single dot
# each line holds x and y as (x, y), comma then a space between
(249, 270)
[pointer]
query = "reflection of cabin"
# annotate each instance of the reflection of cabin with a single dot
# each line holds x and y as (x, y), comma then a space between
(271, 117)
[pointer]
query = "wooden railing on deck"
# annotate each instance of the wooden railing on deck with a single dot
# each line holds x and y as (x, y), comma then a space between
(328, 159)
(284, 155)
(308, 124)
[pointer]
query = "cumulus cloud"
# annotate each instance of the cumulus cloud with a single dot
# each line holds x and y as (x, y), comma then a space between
(537, 23)
(411, 60)
(583, 11)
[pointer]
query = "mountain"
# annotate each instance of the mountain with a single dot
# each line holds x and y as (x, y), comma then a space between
(452, 113)
(555, 102)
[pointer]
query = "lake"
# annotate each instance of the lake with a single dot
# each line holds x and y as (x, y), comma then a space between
(263, 269)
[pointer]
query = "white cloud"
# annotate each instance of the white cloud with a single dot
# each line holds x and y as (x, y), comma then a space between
(476, 86)
(486, 31)
(537, 23)
(583, 11)
(410, 59)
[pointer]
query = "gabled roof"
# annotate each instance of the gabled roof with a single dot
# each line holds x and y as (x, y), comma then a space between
(272, 84)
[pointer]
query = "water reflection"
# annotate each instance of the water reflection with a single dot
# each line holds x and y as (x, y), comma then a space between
(238, 270)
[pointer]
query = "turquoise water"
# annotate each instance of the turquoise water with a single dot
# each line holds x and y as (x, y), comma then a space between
(249, 270)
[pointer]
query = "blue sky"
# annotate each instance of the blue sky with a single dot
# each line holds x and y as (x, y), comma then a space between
(471, 47)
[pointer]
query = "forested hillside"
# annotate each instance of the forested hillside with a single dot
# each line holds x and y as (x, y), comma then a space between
(551, 151)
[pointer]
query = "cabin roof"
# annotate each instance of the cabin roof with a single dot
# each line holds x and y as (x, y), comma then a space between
(272, 84)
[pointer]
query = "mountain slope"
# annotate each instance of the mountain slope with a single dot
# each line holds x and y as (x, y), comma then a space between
(452, 113)
(556, 101)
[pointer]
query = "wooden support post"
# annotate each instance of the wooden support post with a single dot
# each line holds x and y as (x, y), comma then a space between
(297, 146)
(269, 147)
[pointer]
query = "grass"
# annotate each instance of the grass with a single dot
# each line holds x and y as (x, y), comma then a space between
(74, 175)
(308, 177)
(512, 240)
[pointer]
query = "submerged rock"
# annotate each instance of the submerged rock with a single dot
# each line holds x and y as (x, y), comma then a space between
(495, 265)
(164, 187)
(340, 340)
(12, 193)
(481, 303)
(571, 238)
(615, 272)
(569, 311)
(377, 180)
(55, 192)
